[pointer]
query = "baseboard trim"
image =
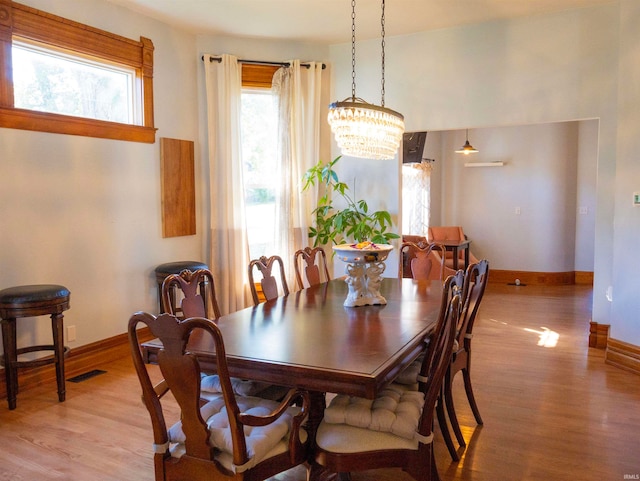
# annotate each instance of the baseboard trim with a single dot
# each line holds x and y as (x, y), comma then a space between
(80, 360)
(598, 335)
(623, 355)
(532, 278)
(584, 278)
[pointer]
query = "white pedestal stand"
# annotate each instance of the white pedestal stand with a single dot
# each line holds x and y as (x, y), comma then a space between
(364, 273)
(364, 280)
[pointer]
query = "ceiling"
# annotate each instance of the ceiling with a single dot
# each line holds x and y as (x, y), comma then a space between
(329, 21)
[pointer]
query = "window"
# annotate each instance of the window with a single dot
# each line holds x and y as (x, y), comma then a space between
(259, 120)
(416, 193)
(60, 76)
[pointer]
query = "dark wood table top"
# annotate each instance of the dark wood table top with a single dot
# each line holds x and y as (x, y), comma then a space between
(454, 243)
(310, 340)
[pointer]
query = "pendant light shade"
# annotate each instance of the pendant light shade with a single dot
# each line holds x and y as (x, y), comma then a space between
(362, 129)
(467, 148)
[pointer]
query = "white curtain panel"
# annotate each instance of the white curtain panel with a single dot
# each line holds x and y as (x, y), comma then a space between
(229, 246)
(298, 91)
(416, 184)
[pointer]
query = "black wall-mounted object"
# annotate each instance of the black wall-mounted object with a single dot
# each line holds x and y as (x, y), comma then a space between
(413, 146)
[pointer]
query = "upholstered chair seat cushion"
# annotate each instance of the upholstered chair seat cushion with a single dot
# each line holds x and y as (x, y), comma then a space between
(262, 441)
(243, 387)
(342, 438)
(396, 410)
(409, 376)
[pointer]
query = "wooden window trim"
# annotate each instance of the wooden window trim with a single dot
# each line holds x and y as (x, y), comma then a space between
(30, 23)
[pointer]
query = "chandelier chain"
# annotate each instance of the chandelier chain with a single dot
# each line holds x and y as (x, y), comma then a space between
(362, 129)
(382, 25)
(353, 50)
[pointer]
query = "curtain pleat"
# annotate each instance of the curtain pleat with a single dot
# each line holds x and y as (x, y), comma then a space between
(229, 248)
(298, 92)
(416, 184)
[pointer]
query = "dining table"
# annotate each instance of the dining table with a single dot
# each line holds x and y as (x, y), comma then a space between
(311, 341)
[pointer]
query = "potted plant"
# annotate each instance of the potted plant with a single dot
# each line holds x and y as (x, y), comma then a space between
(352, 223)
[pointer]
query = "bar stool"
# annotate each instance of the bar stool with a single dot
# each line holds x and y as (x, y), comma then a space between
(32, 301)
(164, 270)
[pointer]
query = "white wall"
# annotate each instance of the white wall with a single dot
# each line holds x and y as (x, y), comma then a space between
(548, 174)
(538, 180)
(85, 212)
(586, 201)
(626, 288)
(534, 70)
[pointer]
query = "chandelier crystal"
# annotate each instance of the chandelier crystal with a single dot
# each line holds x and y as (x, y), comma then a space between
(365, 130)
(362, 129)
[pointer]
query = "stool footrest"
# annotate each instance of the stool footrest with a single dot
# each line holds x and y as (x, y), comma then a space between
(36, 362)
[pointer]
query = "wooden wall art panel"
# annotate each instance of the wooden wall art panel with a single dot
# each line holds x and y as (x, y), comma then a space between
(178, 187)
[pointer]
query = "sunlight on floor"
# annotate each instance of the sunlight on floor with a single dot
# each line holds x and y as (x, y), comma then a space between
(548, 338)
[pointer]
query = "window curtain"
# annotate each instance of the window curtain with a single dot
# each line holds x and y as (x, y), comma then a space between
(416, 184)
(228, 234)
(298, 92)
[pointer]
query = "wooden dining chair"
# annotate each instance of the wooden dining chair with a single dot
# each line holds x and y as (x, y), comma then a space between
(476, 279)
(398, 431)
(269, 283)
(423, 261)
(193, 303)
(312, 261)
(229, 437)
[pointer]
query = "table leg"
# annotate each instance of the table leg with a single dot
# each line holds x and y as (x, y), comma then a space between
(316, 413)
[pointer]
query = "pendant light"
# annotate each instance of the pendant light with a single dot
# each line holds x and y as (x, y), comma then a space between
(362, 129)
(467, 148)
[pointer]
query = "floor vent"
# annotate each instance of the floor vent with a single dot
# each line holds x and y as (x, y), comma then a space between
(86, 375)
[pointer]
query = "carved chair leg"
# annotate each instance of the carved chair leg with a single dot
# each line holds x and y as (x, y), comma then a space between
(444, 429)
(469, 390)
(451, 410)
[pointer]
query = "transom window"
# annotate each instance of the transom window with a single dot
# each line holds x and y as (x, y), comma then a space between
(61, 76)
(53, 81)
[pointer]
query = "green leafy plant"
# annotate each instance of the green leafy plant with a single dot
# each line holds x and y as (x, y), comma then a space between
(353, 223)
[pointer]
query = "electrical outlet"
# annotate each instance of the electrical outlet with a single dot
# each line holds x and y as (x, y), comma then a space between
(71, 333)
(584, 210)
(517, 211)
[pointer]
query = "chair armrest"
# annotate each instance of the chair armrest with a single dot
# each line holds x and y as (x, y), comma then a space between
(296, 448)
(252, 420)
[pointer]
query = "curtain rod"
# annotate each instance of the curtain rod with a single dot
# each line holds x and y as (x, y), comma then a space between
(262, 62)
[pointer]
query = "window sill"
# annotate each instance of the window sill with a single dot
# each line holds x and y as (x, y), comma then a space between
(64, 124)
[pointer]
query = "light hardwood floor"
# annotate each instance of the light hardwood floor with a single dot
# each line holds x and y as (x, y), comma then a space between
(551, 412)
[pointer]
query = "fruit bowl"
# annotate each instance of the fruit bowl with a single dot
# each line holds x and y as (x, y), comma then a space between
(368, 252)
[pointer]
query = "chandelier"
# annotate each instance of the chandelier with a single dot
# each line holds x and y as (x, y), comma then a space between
(362, 129)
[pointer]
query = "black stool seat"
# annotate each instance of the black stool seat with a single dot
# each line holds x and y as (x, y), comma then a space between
(14, 300)
(32, 301)
(164, 270)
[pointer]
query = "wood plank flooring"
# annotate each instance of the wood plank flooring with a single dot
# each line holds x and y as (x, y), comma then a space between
(552, 409)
